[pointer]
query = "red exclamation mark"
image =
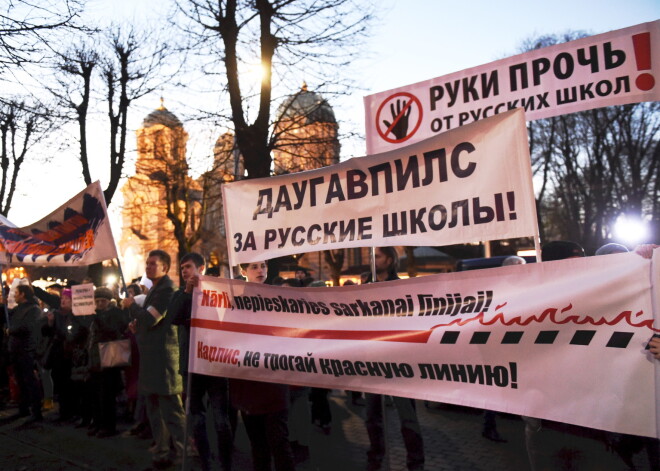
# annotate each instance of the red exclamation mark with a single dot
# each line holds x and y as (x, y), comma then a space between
(642, 45)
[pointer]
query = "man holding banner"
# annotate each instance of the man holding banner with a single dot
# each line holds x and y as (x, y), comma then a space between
(159, 378)
(387, 261)
(198, 387)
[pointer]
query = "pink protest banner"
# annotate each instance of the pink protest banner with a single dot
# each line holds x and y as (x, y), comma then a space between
(614, 68)
(562, 340)
(77, 233)
(467, 185)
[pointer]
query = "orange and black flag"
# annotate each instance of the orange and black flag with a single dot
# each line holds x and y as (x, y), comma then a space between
(77, 233)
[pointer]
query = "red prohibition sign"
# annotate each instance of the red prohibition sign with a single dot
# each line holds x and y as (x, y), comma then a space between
(400, 114)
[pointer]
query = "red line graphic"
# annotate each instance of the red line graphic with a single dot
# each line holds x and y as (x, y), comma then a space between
(408, 336)
(550, 315)
(420, 336)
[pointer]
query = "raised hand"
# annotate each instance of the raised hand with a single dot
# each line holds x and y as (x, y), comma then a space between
(400, 129)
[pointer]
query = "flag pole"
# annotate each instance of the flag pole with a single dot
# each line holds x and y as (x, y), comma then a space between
(121, 276)
(4, 298)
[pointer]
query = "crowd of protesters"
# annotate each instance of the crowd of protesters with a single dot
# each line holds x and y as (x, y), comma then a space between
(42, 341)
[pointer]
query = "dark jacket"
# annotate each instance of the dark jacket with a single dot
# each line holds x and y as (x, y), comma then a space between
(59, 336)
(52, 300)
(257, 398)
(23, 328)
(77, 341)
(107, 326)
(181, 309)
(157, 342)
(64, 331)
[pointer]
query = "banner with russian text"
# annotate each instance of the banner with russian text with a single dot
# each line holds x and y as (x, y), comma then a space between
(82, 300)
(563, 341)
(614, 68)
(77, 233)
(468, 185)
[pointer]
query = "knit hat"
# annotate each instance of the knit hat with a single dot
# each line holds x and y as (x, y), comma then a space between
(103, 292)
(560, 250)
(66, 292)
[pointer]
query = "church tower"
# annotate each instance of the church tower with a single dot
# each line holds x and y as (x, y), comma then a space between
(306, 138)
(161, 149)
(306, 133)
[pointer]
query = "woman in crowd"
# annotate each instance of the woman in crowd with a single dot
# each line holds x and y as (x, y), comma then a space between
(263, 406)
(109, 324)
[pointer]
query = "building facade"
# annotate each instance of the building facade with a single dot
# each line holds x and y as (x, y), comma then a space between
(161, 197)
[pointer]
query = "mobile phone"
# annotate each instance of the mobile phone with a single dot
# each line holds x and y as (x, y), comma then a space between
(648, 345)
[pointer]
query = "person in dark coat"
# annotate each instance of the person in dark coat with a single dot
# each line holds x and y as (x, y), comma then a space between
(263, 406)
(22, 331)
(109, 324)
(386, 261)
(192, 266)
(57, 329)
(159, 378)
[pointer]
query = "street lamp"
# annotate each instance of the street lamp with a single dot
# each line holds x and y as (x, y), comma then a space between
(110, 280)
(630, 230)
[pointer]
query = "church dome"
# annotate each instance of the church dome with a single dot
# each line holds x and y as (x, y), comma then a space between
(308, 105)
(163, 117)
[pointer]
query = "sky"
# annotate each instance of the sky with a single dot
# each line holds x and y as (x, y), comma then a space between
(411, 41)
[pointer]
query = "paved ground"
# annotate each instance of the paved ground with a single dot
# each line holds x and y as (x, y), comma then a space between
(452, 439)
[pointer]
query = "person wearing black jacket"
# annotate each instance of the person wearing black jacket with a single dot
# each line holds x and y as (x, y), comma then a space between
(264, 406)
(386, 261)
(192, 265)
(110, 323)
(58, 330)
(22, 332)
(159, 379)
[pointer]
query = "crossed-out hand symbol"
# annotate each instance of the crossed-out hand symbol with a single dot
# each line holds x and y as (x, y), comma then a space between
(400, 129)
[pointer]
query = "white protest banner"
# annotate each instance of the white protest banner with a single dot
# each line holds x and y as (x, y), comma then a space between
(77, 233)
(614, 68)
(82, 299)
(471, 184)
(557, 340)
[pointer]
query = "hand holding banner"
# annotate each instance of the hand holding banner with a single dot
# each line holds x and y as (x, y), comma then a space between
(82, 300)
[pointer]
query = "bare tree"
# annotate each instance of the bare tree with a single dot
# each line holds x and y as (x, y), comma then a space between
(633, 156)
(77, 69)
(24, 25)
(21, 126)
(594, 166)
(121, 67)
(283, 37)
